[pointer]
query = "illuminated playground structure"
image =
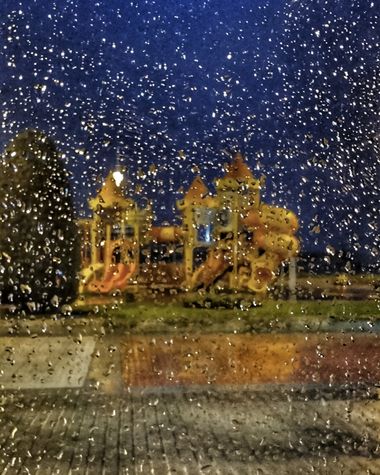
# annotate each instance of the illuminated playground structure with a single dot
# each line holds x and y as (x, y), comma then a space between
(229, 240)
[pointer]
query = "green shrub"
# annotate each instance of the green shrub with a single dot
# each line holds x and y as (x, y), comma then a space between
(39, 246)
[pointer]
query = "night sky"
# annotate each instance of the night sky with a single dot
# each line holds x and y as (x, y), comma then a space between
(173, 84)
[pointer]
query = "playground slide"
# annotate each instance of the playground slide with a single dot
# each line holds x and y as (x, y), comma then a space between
(273, 233)
(277, 246)
(87, 274)
(282, 244)
(94, 286)
(118, 278)
(276, 219)
(274, 230)
(125, 274)
(214, 266)
(263, 270)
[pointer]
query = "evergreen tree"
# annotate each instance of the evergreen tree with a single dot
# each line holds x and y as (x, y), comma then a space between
(39, 247)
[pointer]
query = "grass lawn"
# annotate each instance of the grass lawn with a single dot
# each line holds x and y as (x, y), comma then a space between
(272, 315)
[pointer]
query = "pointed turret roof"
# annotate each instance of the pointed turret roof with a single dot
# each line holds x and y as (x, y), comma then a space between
(110, 195)
(238, 169)
(197, 192)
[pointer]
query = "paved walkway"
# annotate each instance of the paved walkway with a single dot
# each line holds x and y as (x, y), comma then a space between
(99, 413)
(246, 359)
(77, 431)
(112, 362)
(45, 362)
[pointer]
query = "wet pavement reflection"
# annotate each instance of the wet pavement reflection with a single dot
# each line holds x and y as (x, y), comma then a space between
(250, 359)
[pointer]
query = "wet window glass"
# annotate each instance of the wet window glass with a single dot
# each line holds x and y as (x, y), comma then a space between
(189, 236)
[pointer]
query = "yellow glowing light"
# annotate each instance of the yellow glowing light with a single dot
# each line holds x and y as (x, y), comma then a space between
(118, 177)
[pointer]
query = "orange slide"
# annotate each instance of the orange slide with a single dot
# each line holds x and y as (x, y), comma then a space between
(273, 232)
(214, 266)
(115, 277)
(94, 286)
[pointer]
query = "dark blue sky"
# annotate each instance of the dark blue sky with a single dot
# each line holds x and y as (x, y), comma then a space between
(293, 84)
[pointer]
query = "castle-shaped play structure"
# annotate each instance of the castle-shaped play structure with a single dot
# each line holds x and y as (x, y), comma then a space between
(230, 239)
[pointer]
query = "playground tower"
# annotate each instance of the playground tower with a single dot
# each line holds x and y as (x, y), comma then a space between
(230, 238)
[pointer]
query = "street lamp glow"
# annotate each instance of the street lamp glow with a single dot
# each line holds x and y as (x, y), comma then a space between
(118, 177)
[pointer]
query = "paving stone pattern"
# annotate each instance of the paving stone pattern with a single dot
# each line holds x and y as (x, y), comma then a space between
(79, 431)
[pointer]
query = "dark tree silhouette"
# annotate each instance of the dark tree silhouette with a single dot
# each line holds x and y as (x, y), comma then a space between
(39, 246)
